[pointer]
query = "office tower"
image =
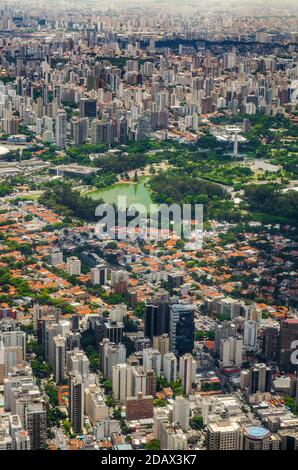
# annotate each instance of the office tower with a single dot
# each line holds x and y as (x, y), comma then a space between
(111, 330)
(60, 130)
(55, 257)
(229, 308)
(79, 130)
(187, 372)
(206, 105)
(103, 132)
(231, 351)
(106, 428)
(223, 435)
(75, 322)
(76, 402)
(17, 377)
(139, 380)
(21, 440)
(270, 344)
(288, 334)
(150, 382)
(223, 330)
(182, 328)
(245, 379)
(64, 327)
(59, 358)
(92, 259)
(119, 281)
(142, 343)
(77, 361)
(73, 266)
(8, 313)
(5, 438)
(152, 360)
(94, 403)
(112, 354)
(122, 131)
(139, 407)
(175, 280)
(260, 378)
(156, 321)
(51, 330)
(144, 127)
(170, 367)
(43, 326)
(181, 412)
(118, 312)
(131, 298)
(172, 438)
(143, 381)
(229, 60)
(15, 426)
(250, 335)
(259, 438)
(122, 382)
(10, 357)
(99, 275)
(87, 108)
(73, 340)
(36, 424)
(14, 338)
(162, 344)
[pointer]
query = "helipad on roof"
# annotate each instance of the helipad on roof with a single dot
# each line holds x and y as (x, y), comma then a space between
(256, 432)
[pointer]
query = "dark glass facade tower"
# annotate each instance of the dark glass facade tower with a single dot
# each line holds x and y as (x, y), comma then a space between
(182, 329)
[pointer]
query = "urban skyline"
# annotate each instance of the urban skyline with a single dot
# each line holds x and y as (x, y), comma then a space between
(127, 333)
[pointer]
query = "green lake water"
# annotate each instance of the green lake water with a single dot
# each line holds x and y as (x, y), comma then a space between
(135, 193)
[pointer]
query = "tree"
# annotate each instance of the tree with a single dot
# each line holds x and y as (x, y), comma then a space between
(110, 402)
(107, 385)
(290, 403)
(129, 325)
(196, 422)
(154, 444)
(159, 402)
(52, 393)
(177, 387)
(139, 309)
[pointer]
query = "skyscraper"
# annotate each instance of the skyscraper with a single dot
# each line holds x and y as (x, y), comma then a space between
(152, 360)
(288, 334)
(260, 378)
(270, 344)
(36, 424)
(181, 412)
(87, 108)
(182, 328)
(59, 358)
(223, 435)
(121, 382)
(187, 372)
(250, 335)
(60, 131)
(157, 317)
(76, 402)
(170, 367)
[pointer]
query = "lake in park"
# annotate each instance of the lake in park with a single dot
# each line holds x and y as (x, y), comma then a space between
(135, 193)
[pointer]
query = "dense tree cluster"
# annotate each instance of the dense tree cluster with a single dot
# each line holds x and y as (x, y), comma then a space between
(62, 198)
(270, 199)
